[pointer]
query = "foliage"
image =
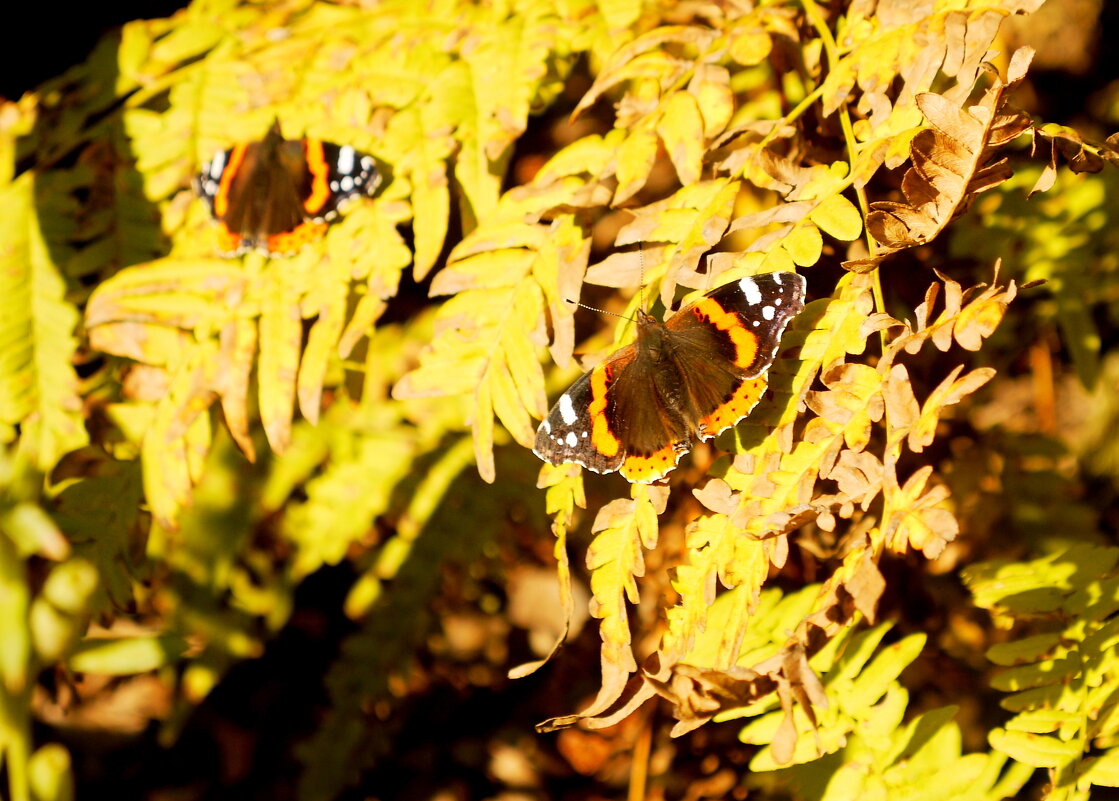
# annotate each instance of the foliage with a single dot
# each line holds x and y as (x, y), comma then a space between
(1061, 679)
(188, 442)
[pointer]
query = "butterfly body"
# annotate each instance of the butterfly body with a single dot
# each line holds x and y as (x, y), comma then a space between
(680, 382)
(277, 194)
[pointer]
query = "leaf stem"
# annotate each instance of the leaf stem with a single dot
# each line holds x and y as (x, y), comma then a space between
(796, 112)
(818, 21)
(639, 772)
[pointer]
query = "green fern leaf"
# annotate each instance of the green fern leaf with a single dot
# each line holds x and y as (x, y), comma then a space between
(623, 528)
(99, 515)
(38, 385)
(1062, 679)
(281, 334)
(488, 332)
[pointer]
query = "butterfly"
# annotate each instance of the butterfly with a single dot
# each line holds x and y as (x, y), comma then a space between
(681, 381)
(277, 194)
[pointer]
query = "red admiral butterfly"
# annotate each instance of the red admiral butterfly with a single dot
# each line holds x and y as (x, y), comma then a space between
(682, 381)
(276, 195)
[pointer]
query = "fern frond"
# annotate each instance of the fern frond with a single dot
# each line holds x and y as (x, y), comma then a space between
(953, 160)
(1065, 237)
(967, 319)
(354, 487)
(625, 529)
(565, 492)
(1061, 680)
(770, 480)
(38, 385)
(100, 515)
(922, 758)
(803, 706)
(176, 444)
(915, 47)
(689, 222)
(1083, 156)
(487, 334)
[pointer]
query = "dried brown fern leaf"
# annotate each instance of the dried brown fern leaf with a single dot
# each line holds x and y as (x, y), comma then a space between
(954, 159)
(1082, 155)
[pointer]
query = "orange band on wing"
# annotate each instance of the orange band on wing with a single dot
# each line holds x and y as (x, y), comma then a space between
(745, 398)
(291, 241)
(602, 437)
(228, 241)
(320, 176)
(643, 469)
(745, 342)
(221, 199)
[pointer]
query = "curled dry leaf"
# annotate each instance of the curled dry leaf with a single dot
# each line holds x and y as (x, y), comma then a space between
(924, 520)
(698, 694)
(859, 476)
(953, 160)
(1081, 155)
(968, 318)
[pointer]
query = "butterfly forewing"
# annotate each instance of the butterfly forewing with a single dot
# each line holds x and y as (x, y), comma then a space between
(743, 322)
(345, 172)
(750, 315)
(568, 433)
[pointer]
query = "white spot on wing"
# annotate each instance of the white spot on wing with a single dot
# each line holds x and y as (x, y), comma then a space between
(767, 312)
(567, 410)
(750, 289)
(572, 440)
(217, 165)
(777, 278)
(346, 157)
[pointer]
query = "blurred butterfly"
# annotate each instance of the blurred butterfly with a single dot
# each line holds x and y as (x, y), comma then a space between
(276, 195)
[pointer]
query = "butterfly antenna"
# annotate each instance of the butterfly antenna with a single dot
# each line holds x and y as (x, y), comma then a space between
(600, 311)
(641, 293)
(641, 286)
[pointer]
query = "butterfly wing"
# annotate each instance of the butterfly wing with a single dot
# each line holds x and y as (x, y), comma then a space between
(615, 418)
(577, 428)
(334, 175)
(725, 342)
